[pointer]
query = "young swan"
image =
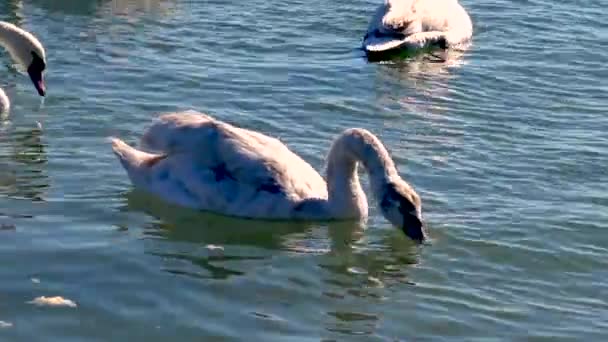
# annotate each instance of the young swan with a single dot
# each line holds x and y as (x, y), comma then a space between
(414, 24)
(28, 54)
(199, 162)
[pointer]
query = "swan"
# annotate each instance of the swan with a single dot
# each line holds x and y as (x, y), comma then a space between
(27, 51)
(415, 24)
(193, 160)
(5, 104)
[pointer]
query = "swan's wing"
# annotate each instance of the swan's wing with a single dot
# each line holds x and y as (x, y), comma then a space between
(418, 40)
(248, 158)
(424, 39)
(179, 179)
(177, 132)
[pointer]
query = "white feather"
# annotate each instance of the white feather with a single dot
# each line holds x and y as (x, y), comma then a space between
(416, 24)
(20, 44)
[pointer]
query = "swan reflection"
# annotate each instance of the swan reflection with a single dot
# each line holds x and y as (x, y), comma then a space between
(92, 7)
(181, 235)
(426, 75)
(23, 163)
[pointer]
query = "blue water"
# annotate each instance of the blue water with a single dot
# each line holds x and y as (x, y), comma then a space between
(506, 144)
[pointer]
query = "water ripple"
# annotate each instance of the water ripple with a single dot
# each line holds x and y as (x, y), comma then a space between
(506, 144)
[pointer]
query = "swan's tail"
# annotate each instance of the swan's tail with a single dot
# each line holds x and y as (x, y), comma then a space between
(137, 163)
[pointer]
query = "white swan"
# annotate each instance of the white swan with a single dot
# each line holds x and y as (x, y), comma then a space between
(413, 24)
(27, 52)
(203, 163)
(5, 104)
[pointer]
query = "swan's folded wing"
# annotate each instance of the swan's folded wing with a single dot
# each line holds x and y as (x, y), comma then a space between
(419, 40)
(178, 132)
(374, 42)
(425, 39)
(267, 165)
(248, 158)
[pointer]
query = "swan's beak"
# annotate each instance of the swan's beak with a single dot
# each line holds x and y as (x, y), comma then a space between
(38, 80)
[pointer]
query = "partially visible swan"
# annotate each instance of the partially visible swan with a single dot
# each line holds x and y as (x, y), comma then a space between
(414, 24)
(5, 104)
(27, 52)
(196, 161)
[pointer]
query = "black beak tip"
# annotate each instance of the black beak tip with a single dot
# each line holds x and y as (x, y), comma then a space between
(38, 81)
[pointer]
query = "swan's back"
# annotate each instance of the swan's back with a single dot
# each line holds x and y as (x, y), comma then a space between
(208, 164)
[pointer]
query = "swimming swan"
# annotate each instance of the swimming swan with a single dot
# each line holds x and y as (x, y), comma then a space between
(27, 52)
(196, 161)
(413, 24)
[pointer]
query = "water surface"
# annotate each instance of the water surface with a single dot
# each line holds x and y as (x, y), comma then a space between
(506, 144)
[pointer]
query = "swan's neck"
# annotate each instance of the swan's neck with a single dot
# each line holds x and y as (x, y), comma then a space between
(354, 146)
(8, 35)
(18, 43)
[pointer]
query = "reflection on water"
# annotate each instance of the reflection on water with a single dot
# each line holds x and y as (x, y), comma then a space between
(23, 165)
(355, 268)
(127, 7)
(357, 281)
(70, 7)
(11, 11)
(181, 224)
(89, 7)
(428, 75)
(182, 234)
(421, 91)
(344, 247)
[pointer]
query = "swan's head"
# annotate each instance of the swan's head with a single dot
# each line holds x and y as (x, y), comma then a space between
(27, 51)
(400, 204)
(36, 71)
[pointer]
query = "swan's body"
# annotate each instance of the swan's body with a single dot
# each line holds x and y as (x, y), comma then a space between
(28, 54)
(203, 163)
(414, 24)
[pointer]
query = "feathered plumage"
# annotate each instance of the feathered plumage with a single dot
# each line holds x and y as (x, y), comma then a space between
(194, 160)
